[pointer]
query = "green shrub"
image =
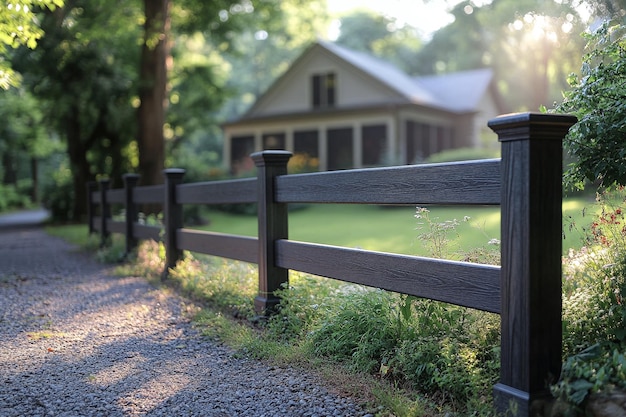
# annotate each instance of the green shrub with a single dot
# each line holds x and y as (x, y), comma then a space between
(12, 198)
(594, 311)
(58, 194)
(303, 304)
(363, 328)
(598, 368)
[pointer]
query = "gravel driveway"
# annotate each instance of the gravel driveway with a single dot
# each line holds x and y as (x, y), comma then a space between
(77, 341)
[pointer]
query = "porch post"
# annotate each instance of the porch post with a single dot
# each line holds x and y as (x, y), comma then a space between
(531, 259)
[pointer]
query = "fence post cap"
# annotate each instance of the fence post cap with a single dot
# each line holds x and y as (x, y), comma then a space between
(520, 126)
(270, 157)
(174, 172)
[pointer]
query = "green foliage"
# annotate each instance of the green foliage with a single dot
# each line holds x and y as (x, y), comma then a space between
(232, 285)
(58, 194)
(598, 98)
(11, 197)
(598, 368)
(445, 351)
(302, 306)
(18, 26)
(594, 312)
(362, 328)
(594, 284)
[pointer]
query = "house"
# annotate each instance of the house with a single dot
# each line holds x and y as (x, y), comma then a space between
(346, 109)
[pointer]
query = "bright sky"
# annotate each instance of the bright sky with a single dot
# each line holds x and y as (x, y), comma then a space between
(426, 16)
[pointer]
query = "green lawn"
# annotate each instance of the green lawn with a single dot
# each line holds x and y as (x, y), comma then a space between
(388, 229)
(392, 229)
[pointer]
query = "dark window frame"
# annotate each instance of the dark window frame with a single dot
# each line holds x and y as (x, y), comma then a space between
(324, 90)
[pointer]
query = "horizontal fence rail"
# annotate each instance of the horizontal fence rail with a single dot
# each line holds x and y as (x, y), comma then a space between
(476, 182)
(525, 290)
(241, 248)
(221, 192)
(460, 283)
(148, 195)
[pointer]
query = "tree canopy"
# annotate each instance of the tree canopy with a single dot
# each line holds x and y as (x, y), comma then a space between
(19, 26)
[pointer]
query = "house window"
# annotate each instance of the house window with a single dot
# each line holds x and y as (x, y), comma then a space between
(240, 149)
(306, 151)
(418, 142)
(324, 90)
(340, 149)
(374, 145)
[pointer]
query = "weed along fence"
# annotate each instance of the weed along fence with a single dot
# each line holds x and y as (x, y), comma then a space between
(525, 290)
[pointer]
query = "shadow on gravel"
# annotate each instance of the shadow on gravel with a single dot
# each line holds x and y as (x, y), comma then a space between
(75, 341)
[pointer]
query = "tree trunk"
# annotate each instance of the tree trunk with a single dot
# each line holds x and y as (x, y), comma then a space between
(152, 91)
(77, 152)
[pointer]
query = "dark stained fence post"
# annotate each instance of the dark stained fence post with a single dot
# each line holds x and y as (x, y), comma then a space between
(92, 186)
(172, 217)
(105, 212)
(130, 182)
(272, 226)
(531, 259)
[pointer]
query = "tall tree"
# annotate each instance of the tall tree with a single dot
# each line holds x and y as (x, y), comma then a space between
(80, 71)
(153, 90)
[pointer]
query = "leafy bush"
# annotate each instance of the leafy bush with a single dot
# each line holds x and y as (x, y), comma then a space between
(12, 198)
(594, 311)
(363, 329)
(596, 143)
(58, 194)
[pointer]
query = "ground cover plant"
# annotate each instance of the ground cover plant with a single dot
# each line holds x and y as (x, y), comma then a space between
(594, 312)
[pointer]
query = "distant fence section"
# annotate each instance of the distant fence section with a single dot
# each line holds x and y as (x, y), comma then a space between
(525, 290)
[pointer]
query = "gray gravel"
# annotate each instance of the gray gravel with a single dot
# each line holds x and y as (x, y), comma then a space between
(77, 341)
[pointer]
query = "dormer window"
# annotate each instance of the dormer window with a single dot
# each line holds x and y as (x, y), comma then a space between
(324, 90)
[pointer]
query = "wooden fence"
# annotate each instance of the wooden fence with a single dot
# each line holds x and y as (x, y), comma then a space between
(525, 290)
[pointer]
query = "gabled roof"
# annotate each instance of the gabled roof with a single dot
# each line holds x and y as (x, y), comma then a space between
(383, 71)
(458, 92)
